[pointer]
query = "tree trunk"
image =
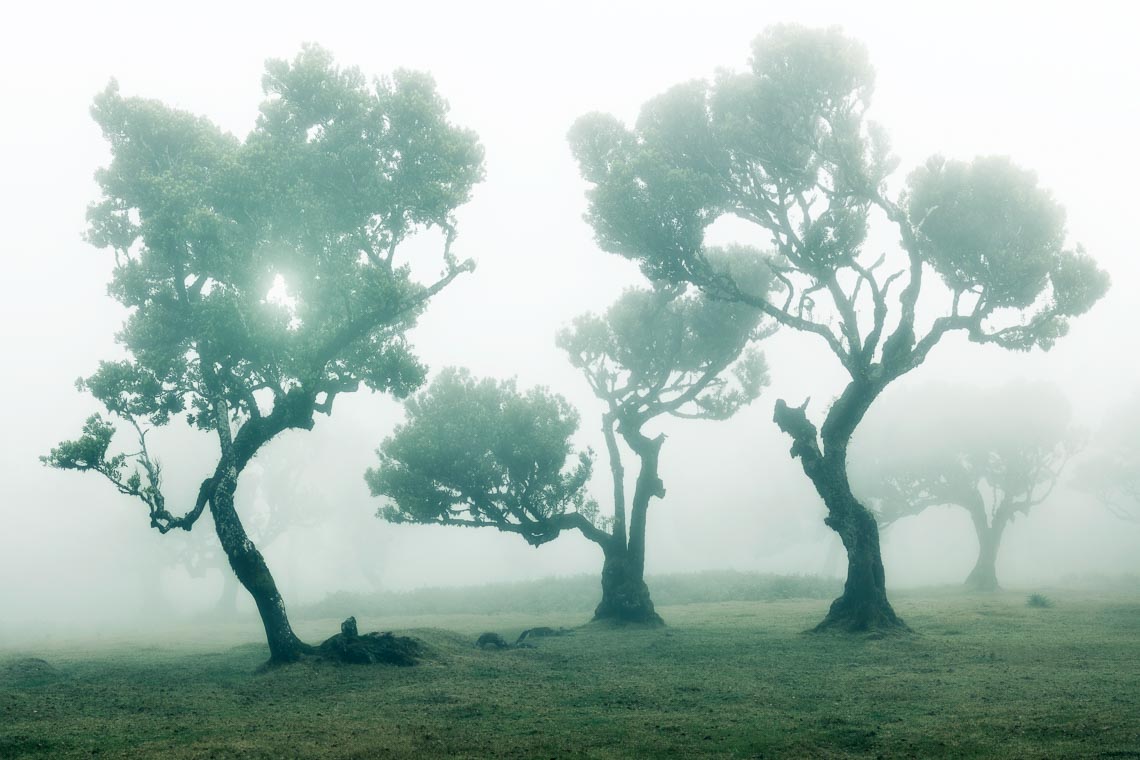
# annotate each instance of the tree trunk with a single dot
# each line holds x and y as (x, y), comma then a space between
(863, 605)
(625, 597)
(250, 568)
(984, 575)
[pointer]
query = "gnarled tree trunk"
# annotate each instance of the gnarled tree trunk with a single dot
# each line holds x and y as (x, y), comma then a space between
(863, 605)
(625, 596)
(250, 568)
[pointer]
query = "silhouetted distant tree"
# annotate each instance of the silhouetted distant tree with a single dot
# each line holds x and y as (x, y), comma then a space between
(786, 146)
(996, 453)
(264, 277)
(1111, 472)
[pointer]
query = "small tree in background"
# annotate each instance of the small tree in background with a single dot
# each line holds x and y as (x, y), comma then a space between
(1111, 471)
(996, 453)
(786, 146)
(481, 454)
(263, 277)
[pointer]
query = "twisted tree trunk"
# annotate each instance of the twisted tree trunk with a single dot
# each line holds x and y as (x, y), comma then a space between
(249, 566)
(863, 605)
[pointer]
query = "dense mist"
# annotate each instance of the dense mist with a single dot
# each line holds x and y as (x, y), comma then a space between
(1054, 94)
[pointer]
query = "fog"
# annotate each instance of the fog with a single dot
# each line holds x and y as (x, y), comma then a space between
(1054, 89)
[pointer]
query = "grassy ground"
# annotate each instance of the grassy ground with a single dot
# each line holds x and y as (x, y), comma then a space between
(986, 676)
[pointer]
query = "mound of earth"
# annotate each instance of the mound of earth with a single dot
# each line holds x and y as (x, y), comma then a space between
(386, 648)
(28, 670)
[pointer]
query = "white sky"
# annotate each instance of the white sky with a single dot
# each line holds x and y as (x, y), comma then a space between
(1054, 85)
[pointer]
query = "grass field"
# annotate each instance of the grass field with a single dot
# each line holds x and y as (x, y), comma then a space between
(985, 676)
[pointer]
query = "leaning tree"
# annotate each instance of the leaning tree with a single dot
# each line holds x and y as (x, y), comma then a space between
(1111, 471)
(264, 278)
(481, 454)
(994, 452)
(787, 148)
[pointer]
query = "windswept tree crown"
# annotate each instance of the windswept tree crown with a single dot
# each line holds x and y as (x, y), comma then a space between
(480, 453)
(787, 146)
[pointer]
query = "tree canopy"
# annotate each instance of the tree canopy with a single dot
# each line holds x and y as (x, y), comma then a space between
(480, 453)
(658, 352)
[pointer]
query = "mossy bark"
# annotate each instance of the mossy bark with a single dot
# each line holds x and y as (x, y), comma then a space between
(625, 595)
(251, 570)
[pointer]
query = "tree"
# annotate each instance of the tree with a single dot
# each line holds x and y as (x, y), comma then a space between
(786, 147)
(996, 453)
(1111, 472)
(262, 277)
(652, 354)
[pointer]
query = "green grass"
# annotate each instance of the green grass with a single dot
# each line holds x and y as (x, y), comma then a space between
(986, 676)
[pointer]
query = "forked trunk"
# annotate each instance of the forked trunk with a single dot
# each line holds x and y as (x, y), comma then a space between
(625, 596)
(250, 568)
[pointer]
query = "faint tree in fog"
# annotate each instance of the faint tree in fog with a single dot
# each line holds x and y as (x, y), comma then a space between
(264, 277)
(786, 147)
(1111, 472)
(481, 454)
(996, 453)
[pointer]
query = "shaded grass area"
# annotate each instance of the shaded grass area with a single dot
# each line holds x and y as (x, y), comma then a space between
(986, 676)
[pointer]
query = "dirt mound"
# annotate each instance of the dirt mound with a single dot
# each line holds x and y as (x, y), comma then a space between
(28, 671)
(371, 648)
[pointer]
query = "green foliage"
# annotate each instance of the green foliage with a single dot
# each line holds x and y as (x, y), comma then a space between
(787, 146)
(660, 352)
(479, 452)
(262, 275)
(989, 230)
(335, 175)
(1039, 601)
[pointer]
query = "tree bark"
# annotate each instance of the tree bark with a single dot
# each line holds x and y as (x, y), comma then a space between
(863, 605)
(984, 575)
(625, 596)
(249, 566)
